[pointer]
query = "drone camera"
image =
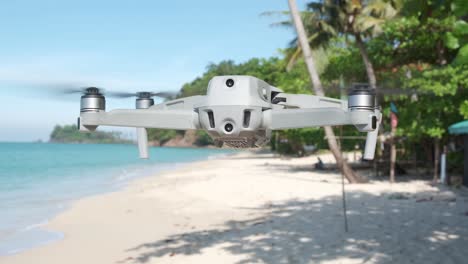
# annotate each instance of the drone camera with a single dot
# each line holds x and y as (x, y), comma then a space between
(233, 113)
(228, 127)
(229, 82)
(239, 127)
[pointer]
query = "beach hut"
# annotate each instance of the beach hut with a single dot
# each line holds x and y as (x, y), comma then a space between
(461, 128)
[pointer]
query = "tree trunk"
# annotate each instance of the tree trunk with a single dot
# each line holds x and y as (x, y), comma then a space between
(373, 85)
(436, 159)
(441, 53)
(365, 58)
(392, 154)
(318, 90)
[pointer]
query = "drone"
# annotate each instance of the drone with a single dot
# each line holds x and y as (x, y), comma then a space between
(238, 111)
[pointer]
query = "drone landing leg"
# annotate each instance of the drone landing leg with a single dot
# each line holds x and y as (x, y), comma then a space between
(142, 137)
(371, 140)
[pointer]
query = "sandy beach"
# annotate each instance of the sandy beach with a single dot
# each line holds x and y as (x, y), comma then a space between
(254, 208)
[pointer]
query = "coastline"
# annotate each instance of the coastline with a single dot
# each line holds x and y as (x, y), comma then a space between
(27, 210)
(258, 208)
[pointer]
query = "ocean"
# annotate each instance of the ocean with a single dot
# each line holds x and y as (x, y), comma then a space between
(39, 180)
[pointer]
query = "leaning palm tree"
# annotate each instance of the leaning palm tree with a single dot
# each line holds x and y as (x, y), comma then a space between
(318, 90)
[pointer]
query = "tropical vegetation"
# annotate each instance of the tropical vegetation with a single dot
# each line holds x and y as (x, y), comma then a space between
(413, 52)
(71, 134)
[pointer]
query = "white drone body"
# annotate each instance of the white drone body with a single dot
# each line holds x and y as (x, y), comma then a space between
(239, 111)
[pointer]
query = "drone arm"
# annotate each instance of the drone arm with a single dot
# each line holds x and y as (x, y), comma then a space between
(364, 121)
(186, 103)
(143, 118)
(309, 101)
(314, 117)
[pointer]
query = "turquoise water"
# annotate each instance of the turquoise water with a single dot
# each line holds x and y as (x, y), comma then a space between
(39, 180)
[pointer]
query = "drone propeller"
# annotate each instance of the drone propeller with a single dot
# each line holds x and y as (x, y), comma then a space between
(165, 95)
(82, 90)
(379, 91)
(55, 91)
(144, 100)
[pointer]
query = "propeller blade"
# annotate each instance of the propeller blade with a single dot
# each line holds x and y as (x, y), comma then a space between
(121, 94)
(396, 91)
(381, 91)
(54, 91)
(165, 94)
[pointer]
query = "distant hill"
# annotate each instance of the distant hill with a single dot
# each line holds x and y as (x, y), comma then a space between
(71, 134)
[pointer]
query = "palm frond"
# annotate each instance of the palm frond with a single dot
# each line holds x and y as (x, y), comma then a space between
(318, 41)
(294, 58)
(365, 23)
(379, 8)
(275, 13)
(287, 24)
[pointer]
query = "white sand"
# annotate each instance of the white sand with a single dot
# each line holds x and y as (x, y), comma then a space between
(260, 210)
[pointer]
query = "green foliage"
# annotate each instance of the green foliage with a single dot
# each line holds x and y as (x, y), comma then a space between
(344, 62)
(271, 70)
(409, 40)
(203, 139)
(464, 109)
(414, 53)
(462, 56)
(422, 46)
(292, 141)
(440, 80)
(451, 41)
(326, 20)
(425, 49)
(163, 135)
(460, 7)
(71, 134)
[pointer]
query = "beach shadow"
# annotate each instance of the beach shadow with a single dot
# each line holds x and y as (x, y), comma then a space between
(331, 170)
(385, 228)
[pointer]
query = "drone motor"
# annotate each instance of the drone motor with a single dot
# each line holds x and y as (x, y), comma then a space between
(144, 100)
(93, 100)
(361, 97)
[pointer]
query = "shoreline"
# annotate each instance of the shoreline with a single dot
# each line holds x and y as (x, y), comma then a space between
(258, 208)
(33, 235)
(44, 236)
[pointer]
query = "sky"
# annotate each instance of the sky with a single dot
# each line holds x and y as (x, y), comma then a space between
(121, 46)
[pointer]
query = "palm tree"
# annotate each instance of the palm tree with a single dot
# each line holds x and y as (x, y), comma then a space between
(356, 19)
(318, 89)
